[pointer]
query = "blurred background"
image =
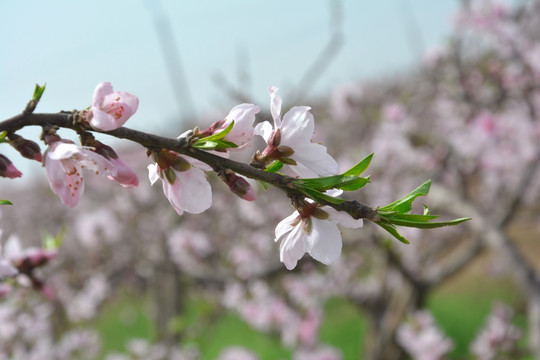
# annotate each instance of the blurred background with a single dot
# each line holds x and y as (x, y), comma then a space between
(442, 90)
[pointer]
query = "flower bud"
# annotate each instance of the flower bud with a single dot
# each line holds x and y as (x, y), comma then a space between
(239, 186)
(7, 169)
(26, 148)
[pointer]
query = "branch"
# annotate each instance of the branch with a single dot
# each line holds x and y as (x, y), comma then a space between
(356, 209)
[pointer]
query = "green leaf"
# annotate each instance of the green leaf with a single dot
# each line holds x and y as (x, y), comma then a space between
(404, 205)
(219, 135)
(264, 185)
(214, 144)
(392, 230)
(359, 168)
(3, 135)
(53, 242)
(38, 91)
(5, 202)
(344, 182)
(318, 196)
(426, 224)
(274, 166)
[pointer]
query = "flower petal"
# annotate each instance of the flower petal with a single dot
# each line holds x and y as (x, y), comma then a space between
(153, 175)
(101, 90)
(297, 127)
(292, 247)
(196, 194)
(264, 129)
(275, 105)
(323, 242)
(313, 161)
(285, 226)
(343, 218)
(244, 117)
(124, 175)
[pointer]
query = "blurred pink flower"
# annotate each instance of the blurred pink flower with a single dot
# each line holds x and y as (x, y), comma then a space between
(184, 182)
(319, 353)
(290, 140)
(498, 336)
(313, 230)
(422, 339)
(111, 109)
(237, 353)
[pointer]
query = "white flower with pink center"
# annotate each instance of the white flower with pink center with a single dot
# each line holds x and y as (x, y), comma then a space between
(184, 182)
(111, 109)
(312, 230)
(290, 141)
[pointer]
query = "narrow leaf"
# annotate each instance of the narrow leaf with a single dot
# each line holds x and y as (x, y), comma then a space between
(5, 202)
(38, 91)
(404, 205)
(427, 225)
(392, 230)
(219, 135)
(274, 166)
(359, 168)
(318, 196)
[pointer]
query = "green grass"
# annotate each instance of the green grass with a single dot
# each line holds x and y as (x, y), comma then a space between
(121, 320)
(460, 309)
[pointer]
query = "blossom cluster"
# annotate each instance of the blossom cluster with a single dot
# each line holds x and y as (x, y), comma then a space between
(290, 148)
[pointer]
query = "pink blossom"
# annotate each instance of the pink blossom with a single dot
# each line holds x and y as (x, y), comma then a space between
(64, 162)
(184, 182)
(319, 353)
(498, 336)
(313, 230)
(422, 339)
(237, 353)
(290, 140)
(111, 109)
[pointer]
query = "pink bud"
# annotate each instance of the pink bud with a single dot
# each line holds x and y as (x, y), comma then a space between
(26, 148)
(7, 169)
(239, 186)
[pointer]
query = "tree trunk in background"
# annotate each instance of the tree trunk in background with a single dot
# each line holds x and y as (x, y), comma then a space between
(168, 293)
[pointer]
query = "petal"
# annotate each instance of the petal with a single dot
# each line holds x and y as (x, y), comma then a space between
(101, 90)
(171, 192)
(313, 161)
(62, 150)
(102, 120)
(297, 127)
(196, 194)
(244, 117)
(153, 175)
(292, 247)
(68, 186)
(13, 249)
(285, 226)
(275, 105)
(124, 175)
(264, 129)
(6, 270)
(323, 242)
(343, 218)
(98, 164)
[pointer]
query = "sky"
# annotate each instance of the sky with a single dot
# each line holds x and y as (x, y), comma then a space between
(73, 45)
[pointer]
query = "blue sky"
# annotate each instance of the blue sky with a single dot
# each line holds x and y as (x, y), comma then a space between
(73, 45)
